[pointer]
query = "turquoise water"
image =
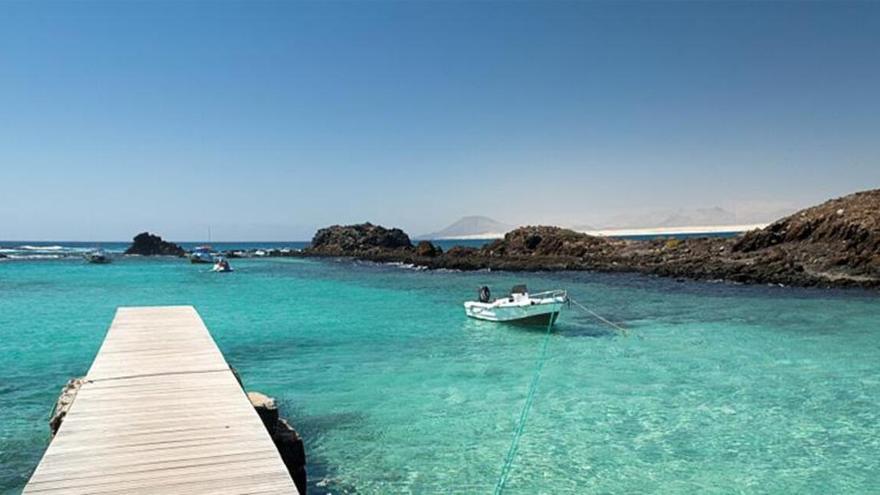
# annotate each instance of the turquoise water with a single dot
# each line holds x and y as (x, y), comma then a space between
(717, 389)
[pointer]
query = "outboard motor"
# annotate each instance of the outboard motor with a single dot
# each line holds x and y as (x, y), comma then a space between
(519, 289)
(485, 295)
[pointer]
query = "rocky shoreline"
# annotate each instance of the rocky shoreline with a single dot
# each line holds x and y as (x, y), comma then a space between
(835, 244)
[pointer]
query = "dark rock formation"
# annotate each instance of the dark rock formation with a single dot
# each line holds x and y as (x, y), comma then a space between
(852, 221)
(62, 405)
(346, 240)
(146, 244)
(546, 241)
(286, 439)
(427, 249)
(462, 252)
(833, 244)
(837, 241)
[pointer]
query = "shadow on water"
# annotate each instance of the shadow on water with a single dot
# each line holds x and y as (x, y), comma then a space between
(321, 473)
(261, 350)
(573, 330)
(562, 329)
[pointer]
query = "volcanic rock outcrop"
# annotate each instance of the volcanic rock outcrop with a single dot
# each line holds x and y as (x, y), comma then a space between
(361, 239)
(146, 244)
(286, 439)
(834, 244)
(838, 240)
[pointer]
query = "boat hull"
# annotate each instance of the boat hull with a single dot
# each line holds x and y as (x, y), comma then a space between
(97, 257)
(534, 314)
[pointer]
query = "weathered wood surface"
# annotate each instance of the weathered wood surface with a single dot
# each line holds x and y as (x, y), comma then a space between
(160, 412)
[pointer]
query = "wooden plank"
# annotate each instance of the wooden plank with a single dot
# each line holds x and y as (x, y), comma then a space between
(160, 412)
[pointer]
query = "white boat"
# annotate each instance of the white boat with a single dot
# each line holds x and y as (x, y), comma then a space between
(202, 254)
(97, 256)
(221, 266)
(519, 307)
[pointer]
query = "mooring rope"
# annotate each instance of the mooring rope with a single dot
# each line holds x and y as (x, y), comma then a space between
(527, 406)
(530, 397)
(599, 317)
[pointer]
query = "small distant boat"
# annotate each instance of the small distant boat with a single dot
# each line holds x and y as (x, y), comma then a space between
(97, 256)
(519, 307)
(222, 266)
(202, 254)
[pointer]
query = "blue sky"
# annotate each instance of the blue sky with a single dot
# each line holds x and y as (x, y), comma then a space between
(266, 119)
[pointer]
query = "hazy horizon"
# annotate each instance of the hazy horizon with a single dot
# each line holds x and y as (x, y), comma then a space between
(265, 121)
(623, 222)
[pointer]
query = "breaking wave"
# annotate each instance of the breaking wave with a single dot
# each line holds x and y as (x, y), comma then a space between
(32, 251)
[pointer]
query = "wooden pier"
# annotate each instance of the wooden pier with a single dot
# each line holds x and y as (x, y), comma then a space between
(160, 413)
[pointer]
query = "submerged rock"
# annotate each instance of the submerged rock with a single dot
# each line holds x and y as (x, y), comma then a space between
(146, 244)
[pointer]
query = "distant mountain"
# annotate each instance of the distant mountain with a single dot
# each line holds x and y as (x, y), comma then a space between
(700, 216)
(671, 218)
(473, 227)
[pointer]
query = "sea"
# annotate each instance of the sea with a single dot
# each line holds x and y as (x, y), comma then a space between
(713, 388)
(43, 250)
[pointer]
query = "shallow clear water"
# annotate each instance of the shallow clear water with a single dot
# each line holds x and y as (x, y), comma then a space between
(717, 389)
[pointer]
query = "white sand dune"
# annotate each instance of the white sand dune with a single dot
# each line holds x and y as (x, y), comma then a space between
(659, 231)
(649, 231)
